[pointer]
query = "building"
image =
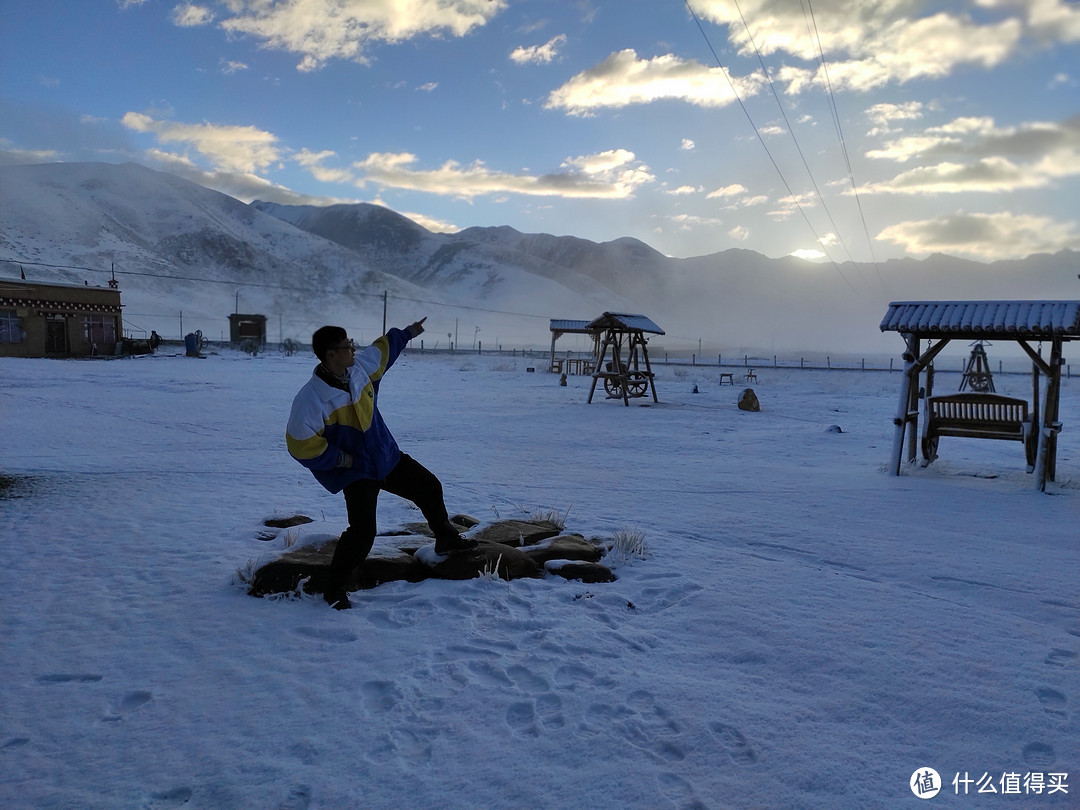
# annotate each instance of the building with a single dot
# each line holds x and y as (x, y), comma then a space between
(247, 327)
(39, 319)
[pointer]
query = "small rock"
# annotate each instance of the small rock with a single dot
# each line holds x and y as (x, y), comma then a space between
(518, 532)
(583, 571)
(288, 522)
(564, 547)
(509, 563)
(748, 401)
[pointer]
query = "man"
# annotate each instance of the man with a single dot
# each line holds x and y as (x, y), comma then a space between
(336, 431)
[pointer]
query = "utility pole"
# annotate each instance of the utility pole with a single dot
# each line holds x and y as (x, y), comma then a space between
(384, 312)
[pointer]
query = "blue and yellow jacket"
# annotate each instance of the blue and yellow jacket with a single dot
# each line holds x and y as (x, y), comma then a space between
(326, 420)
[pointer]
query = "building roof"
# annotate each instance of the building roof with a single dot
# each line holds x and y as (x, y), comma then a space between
(563, 325)
(984, 319)
(630, 323)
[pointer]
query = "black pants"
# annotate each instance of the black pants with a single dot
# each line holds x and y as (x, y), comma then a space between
(410, 480)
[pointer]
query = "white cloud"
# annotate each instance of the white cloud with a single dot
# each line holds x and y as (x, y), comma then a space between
(623, 79)
(687, 145)
(614, 174)
(232, 148)
(312, 161)
(11, 156)
(428, 87)
(229, 67)
(682, 191)
(867, 45)
(189, 15)
(539, 54)
(322, 30)
(727, 191)
(985, 236)
(241, 185)
(974, 154)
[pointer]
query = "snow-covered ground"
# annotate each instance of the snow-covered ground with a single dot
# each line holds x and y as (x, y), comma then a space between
(806, 631)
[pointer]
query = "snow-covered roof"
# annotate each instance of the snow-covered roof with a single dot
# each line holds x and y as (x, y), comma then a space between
(621, 320)
(563, 325)
(984, 318)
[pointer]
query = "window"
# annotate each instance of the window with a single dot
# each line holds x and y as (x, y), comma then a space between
(11, 327)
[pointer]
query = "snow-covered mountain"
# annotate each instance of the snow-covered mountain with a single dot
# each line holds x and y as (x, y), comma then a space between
(181, 251)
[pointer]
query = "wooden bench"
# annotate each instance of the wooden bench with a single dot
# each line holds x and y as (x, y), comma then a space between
(729, 376)
(978, 416)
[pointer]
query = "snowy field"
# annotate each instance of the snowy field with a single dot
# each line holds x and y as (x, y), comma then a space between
(806, 631)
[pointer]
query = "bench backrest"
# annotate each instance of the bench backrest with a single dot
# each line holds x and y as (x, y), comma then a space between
(981, 408)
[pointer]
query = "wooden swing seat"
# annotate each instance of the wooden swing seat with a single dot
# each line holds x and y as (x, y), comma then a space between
(978, 416)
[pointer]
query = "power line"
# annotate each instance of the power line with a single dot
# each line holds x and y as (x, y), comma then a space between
(266, 285)
(834, 109)
(761, 140)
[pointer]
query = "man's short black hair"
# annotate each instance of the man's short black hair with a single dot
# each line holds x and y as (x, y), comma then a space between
(325, 337)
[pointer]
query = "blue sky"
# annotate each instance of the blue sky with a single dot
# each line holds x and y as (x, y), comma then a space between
(956, 128)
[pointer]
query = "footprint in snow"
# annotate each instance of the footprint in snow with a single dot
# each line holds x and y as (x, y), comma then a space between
(165, 799)
(299, 798)
(66, 677)
(380, 696)
(334, 635)
(127, 704)
(1053, 701)
(1039, 755)
(734, 743)
(1062, 658)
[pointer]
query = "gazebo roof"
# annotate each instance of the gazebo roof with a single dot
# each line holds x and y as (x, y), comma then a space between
(564, 325)
(629, 323)
(985, 319)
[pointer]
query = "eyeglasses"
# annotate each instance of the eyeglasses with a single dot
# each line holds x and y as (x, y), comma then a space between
(350, 346)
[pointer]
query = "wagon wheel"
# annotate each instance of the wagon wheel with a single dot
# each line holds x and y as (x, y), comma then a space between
(200, 341)
(289, 347)
(614, 386)
(637, 385)
(1031, 444)
(929, 449)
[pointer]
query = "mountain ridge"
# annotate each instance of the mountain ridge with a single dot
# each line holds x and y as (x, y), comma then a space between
(180, 246)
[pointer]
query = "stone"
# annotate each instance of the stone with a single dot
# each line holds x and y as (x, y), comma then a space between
(834, 429)
(507, 562)
(284, 574)
(421, 527)
(748, 401)
(498, 551)
(584, 571)
(564, 547)
(287, 523)
(518, 532)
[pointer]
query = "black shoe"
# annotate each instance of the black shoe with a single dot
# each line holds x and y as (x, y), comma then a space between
(338, 600)
(452, 545)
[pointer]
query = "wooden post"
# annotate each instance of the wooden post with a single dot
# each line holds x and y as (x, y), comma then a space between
(904, 406)
(1046, 461)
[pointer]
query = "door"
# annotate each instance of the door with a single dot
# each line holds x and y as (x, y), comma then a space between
(56, 336)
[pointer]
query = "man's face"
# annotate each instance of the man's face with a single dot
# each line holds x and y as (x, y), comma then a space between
(340, 357)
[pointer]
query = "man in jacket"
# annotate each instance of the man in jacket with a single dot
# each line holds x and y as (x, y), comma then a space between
(336, 431)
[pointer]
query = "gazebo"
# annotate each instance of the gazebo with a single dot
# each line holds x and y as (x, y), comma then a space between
(624, 337)
(563, 326)
(981, 414)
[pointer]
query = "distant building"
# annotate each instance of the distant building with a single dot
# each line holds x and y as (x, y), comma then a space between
(247, 327)
(39, 319)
